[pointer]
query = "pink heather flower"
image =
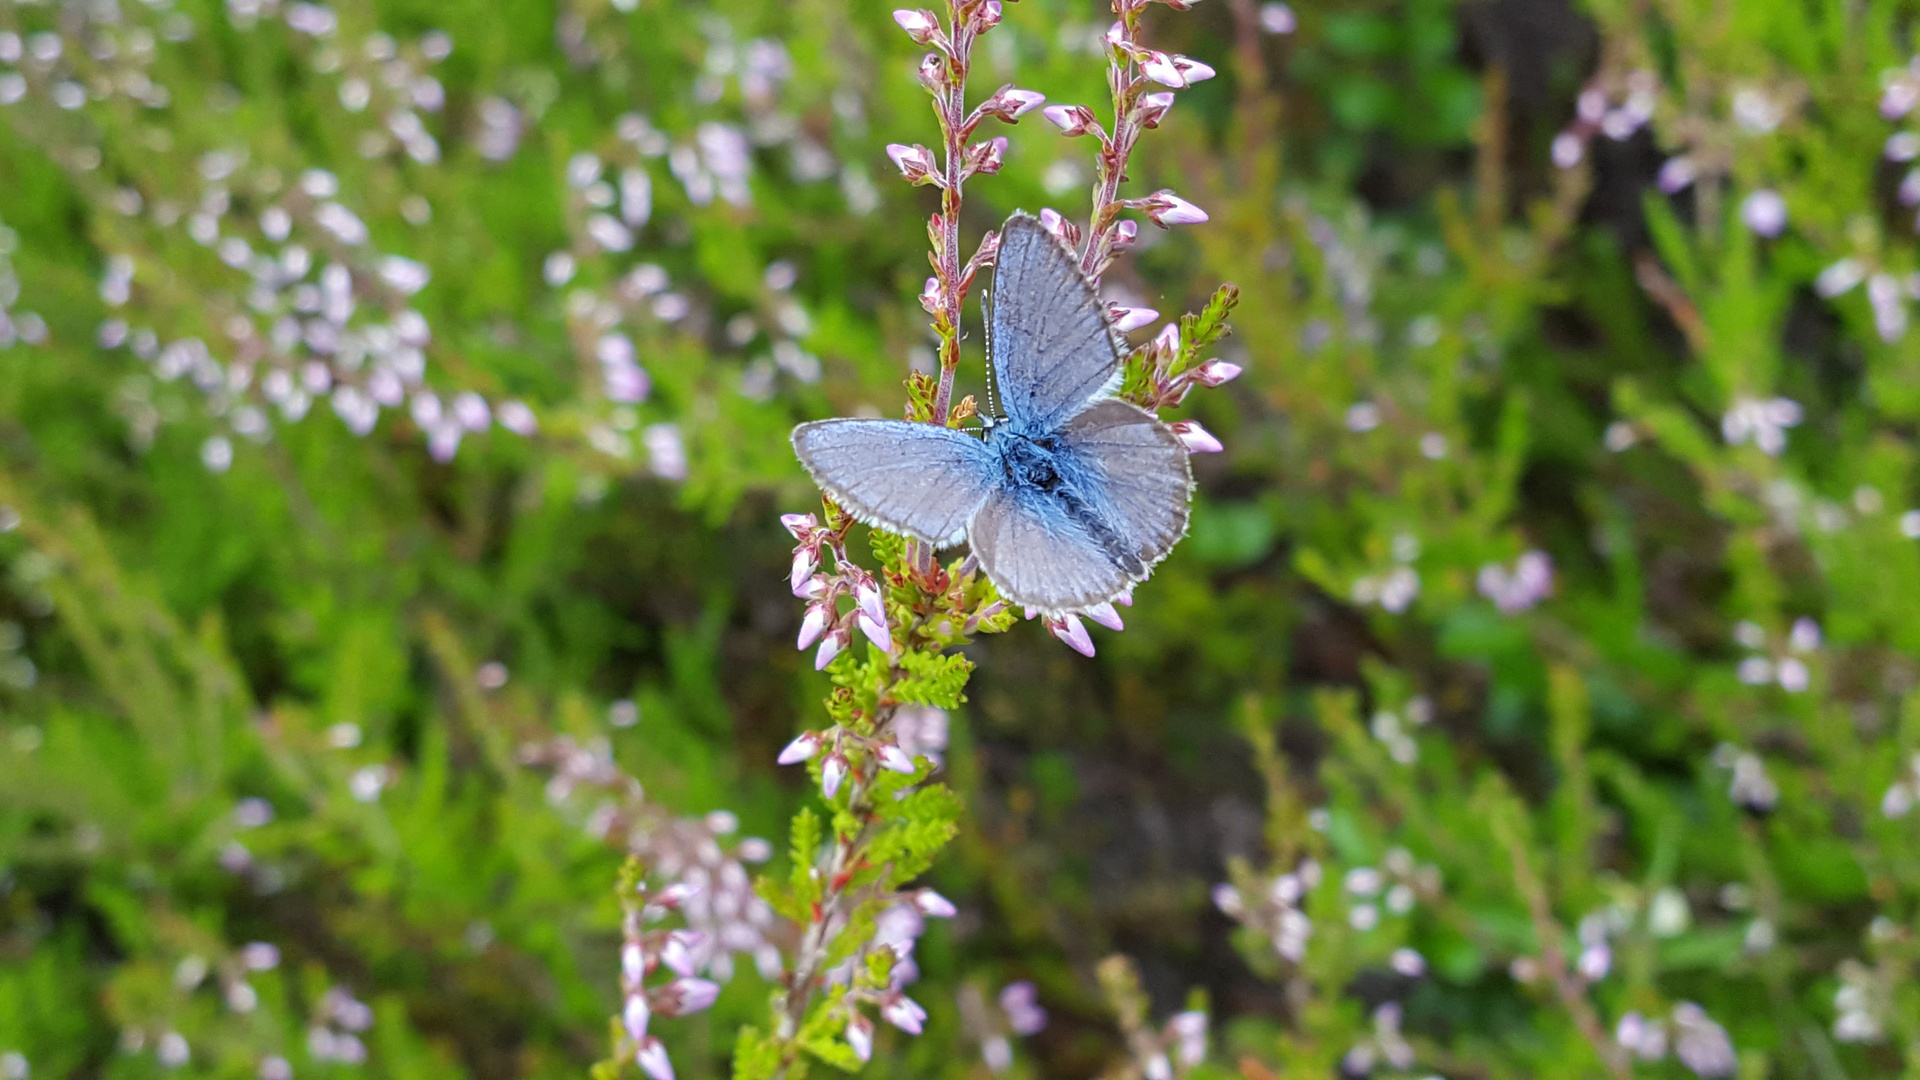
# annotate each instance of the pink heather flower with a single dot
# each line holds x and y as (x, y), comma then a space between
(1177, 72)
(1153, 108)
(677, 952)
(902, 1012)
(933, 904)
(800, 525)
(1072, 120)
(1215, 372)
(635, 1016)
(1277, 18)
(1190, 1028)
(1051, 221)
(1765, 212)
(1198, 439)
(1125, 599)
(676, 894)
(652, 1059)
(987, 16)
(1069, 630)
(814, 588)
(1124, 234)
(1164, 208)
(1128, 319)
(806, 559)
(930, 296)
(1010, 104)
(920, 25)
(915, 163)
(866, 594)
(1676, 174)
(933, 72)
(1106, 616)
(817, 619)
(1167, 341)
(830, 647)
(860, 1036)
(800, 749)
(876, 631)
(693, 995)
(633, 963)
(987, 157)
(832, 773)
(895, 759)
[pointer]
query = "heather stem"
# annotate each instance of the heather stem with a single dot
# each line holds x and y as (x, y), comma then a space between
(950, 103)
(1122, 80)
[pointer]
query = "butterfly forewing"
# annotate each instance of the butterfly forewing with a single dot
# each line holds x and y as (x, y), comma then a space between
(1048, 331)
(919, 480)
(1137, 474)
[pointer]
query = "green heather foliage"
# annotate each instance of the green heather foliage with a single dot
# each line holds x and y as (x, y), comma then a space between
(394, 402)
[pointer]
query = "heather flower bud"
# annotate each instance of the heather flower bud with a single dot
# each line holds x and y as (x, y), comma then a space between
(933, 72)
(860, 1036)
(800, 749)
(1069, 630)
(691, 995)
(1167, 341)
(833, 772)
(633, 963)
(866, 594)
(800, 525)
(1010, 104)
(902, 1012)
(932, 903)
(1215, 372)
(814, 588)
(1106, 616)
(876, 631)
(806, 559)
(915, 163)
(830, 647)
(988, 156)
(930, 296)
(1164, 208)
(635, 1016)
(1124, 234)
(1177, 72)
(895, 759)
(987, 16)
(1129, 319)
(1152, 108)
(818, 617)
(920, 25)
(1198, 439)
(1072, 120)
(677, 951)
(652, 1059)
(1051, 221)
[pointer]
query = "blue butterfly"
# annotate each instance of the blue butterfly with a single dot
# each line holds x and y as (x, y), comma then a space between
(1070, 498)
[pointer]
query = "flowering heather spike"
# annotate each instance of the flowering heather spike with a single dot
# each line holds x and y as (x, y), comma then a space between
(1106, 616)
(652, 1059)
(800, 749)
(818, 617)
(860, 1036)
(1198, 439)
(1128, 319)
(832, 772)
(1072, 120)
(904, 1013)
(895, 759)
(933, 904)
(1069, 630)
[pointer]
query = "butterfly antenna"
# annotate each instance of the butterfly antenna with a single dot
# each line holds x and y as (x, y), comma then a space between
(992, 415)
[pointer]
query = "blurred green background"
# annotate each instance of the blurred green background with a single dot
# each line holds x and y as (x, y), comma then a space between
(388, 386)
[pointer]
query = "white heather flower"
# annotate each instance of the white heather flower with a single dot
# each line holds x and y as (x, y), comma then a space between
(1701, 1044)
(1765, 212)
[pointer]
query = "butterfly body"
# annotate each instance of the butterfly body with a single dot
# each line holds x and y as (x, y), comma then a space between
(1069, 499)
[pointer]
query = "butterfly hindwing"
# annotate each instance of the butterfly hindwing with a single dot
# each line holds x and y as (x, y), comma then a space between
(1039, 556)
(1136, 475)
(1053, 349)
(920, 480)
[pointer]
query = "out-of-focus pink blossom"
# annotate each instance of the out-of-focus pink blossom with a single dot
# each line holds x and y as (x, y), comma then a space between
(894, 759)
(692, 995)
(932, 903)
(904, 1013)
(635, 1016)
(860, 1036)
(652, 1059)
